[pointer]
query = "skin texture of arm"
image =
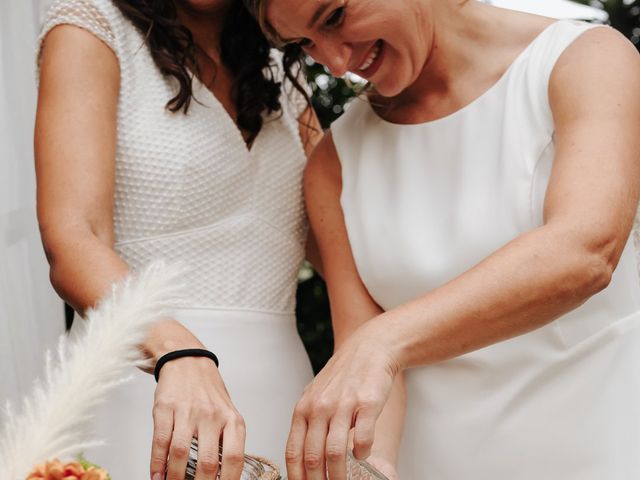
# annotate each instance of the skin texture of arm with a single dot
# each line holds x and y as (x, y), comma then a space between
(589, 208)
(311, 134)
(75, 143)
(351, 307)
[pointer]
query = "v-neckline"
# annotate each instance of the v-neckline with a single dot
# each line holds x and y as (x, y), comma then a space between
(248, 149)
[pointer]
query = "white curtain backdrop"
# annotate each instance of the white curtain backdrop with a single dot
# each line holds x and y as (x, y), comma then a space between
(31, 315)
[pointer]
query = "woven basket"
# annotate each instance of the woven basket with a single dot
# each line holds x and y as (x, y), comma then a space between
(258, 468)
(255, 468)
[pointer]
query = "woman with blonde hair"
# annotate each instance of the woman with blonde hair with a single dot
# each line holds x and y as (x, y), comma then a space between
(473, 214)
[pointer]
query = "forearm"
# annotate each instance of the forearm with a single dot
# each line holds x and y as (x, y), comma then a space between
(83, 269)
(524, 285)
(390, 425)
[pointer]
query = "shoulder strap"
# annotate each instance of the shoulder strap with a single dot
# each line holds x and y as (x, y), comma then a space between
(350, 130)
(543, 54)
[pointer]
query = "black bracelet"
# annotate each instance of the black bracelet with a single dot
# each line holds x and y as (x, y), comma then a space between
(190, 352)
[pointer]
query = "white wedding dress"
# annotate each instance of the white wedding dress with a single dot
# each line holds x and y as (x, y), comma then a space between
(189, 191)
(424, 203)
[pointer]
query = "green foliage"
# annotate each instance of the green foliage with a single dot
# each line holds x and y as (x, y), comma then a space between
(314, 320)
(330, 94)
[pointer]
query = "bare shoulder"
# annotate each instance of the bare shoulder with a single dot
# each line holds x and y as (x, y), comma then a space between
(602, 66)
(323, 169)
(598, 53)
(600, 46)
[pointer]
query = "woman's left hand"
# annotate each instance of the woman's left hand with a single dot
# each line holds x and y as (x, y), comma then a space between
(350, 392)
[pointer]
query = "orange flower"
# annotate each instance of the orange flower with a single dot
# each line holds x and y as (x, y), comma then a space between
(56, 470)
(95, 473)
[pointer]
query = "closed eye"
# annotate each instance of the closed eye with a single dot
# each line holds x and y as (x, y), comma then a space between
(336, 18)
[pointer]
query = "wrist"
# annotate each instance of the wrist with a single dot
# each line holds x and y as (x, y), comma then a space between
(183, 354)
(386, 329)
(168, 336)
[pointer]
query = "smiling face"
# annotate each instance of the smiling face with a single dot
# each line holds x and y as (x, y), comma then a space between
(386, 42)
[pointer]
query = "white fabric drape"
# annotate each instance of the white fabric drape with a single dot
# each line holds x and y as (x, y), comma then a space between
(31, 315)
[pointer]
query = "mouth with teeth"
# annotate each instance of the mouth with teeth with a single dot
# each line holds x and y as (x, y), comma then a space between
(372, 61)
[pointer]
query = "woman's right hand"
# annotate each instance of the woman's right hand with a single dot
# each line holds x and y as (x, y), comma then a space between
(191, 400)
(349, 394)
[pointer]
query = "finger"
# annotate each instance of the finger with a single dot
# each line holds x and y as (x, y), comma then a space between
(294, 453)
(162, 429)
(233, 437)
(179, 451)
(314, 461)
(364, 432)
(337, 445)
(208, 448)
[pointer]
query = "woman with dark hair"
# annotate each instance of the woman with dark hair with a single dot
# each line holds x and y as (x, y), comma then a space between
(167, 129)
(473, 212)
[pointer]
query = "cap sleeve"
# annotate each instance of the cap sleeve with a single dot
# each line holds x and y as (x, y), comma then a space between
(86, 14)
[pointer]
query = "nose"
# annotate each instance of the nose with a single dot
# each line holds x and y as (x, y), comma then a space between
(334, 54)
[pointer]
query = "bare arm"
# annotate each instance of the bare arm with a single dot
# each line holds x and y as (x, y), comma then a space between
(75, 143)
(351, 307)
(588, 213)
(311, 134)
(75, 138)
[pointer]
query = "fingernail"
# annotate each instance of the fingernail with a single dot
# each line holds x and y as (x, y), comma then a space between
(157, 476)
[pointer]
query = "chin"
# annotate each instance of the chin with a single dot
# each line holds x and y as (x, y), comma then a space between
(389, 88)
(203, 5)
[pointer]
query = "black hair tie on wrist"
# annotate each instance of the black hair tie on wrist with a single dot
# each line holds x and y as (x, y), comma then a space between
(190, 352)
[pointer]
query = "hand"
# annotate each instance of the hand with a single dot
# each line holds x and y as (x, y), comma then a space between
(350, 392)
(192, 401)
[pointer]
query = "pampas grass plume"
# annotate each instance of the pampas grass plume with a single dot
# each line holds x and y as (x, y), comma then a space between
(87, 365)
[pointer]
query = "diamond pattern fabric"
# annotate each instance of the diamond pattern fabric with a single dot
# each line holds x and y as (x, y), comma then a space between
(187, 188)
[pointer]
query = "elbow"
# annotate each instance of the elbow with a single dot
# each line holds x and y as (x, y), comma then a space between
(596, 272)
(596, 265)
(584, 258)
(57, 278)
(60, 244)
(54, 251)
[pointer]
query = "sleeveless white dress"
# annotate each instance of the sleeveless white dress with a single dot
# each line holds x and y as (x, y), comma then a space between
(189, 191)
(424, 203)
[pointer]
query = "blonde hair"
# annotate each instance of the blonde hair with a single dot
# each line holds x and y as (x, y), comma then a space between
(258, 10)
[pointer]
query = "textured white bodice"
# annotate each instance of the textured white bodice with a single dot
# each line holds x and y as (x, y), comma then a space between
(187, 188)
(423, 204)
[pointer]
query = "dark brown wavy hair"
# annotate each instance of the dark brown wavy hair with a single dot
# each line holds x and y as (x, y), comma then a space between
(293, 54)
(244, 51)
